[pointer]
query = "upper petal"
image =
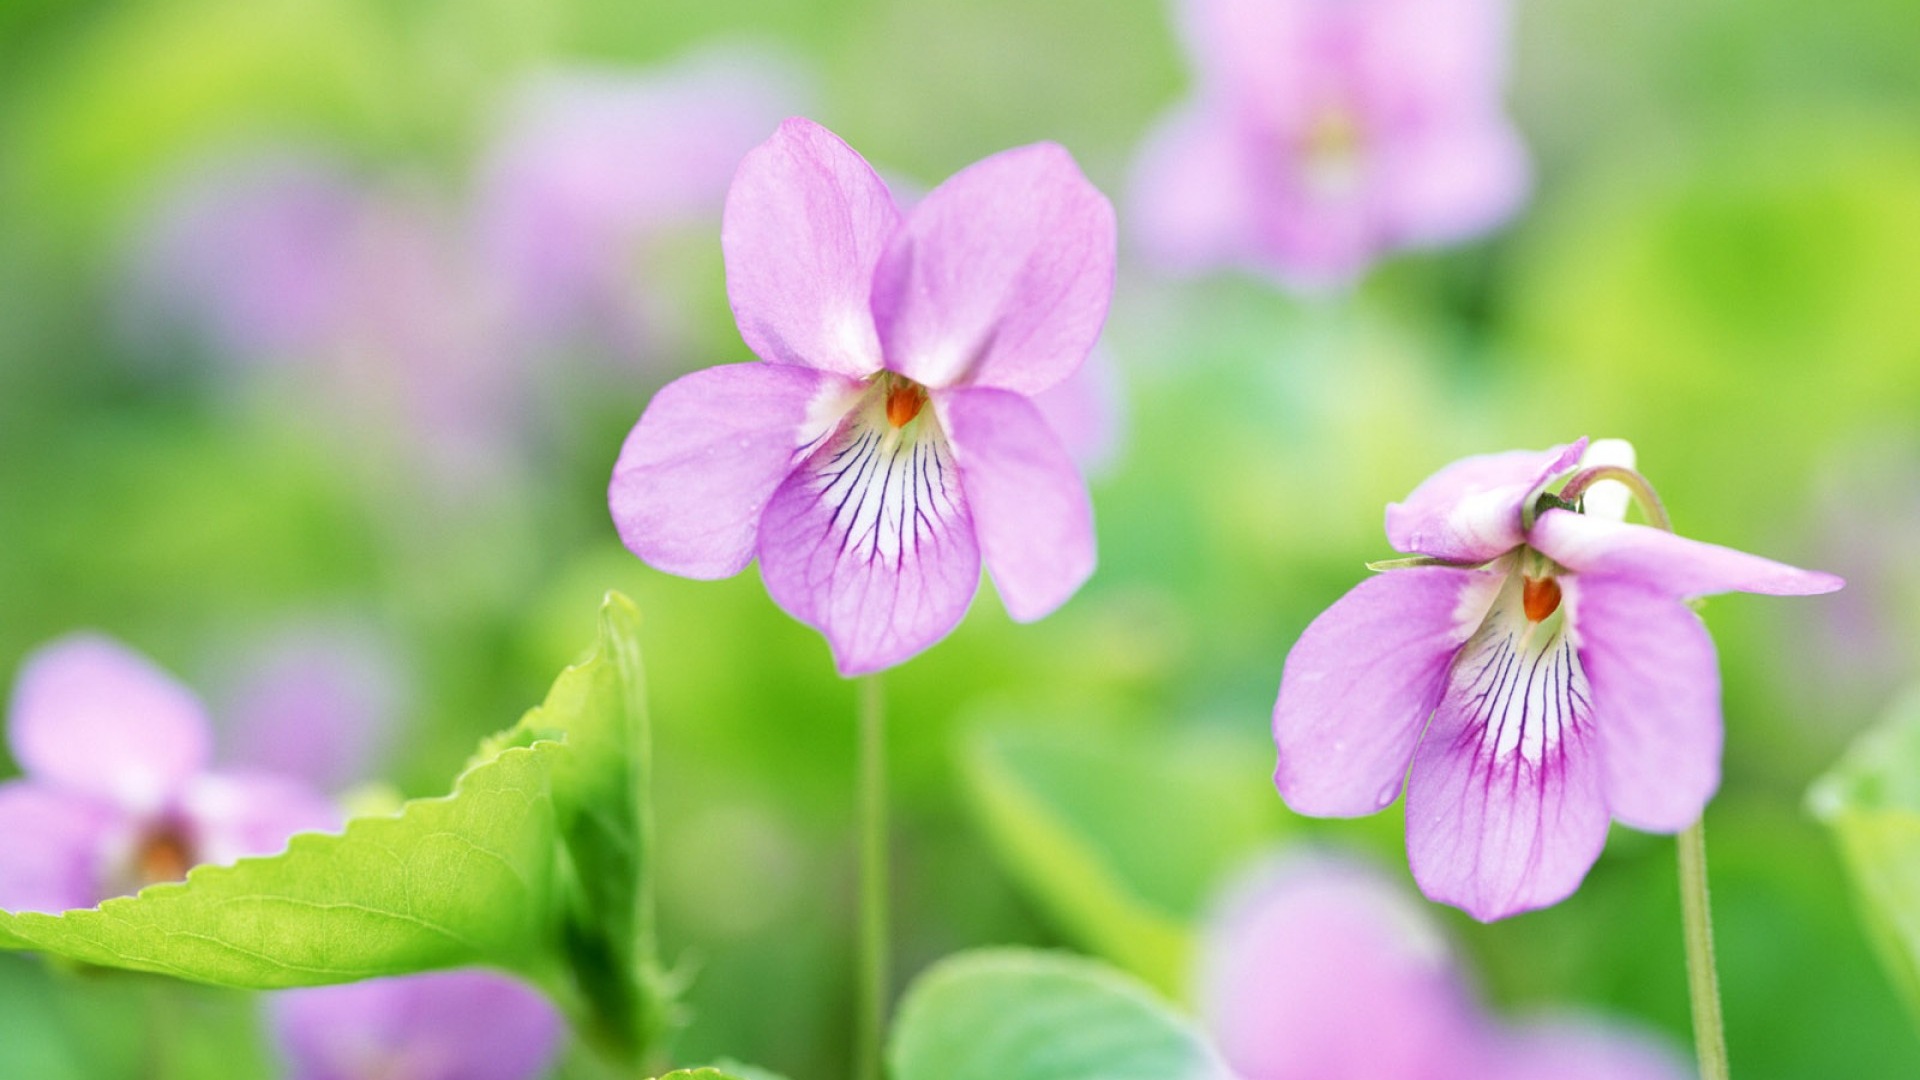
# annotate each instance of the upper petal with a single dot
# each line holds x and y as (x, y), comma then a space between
(697, 470)
(1470, 510)
(1656, 700)
(1000, 276)
(806, 221)
(54, 844)
(1030, 507)
(871, 542)
(93, 715)
(1361, 682)
(1504, 805)
(1672, 564)
(472, 1024)
(1319, 970)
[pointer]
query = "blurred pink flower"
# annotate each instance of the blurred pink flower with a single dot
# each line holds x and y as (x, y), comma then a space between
(118, 793)
(446, 1025)
(888, 443)
(1323, 134)
(316, 700)
(1317, 969)
(590, 166)
(1530, 683)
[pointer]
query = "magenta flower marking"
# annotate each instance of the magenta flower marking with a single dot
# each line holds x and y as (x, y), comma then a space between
(888, 445)
(117, 793)
(447, 1025)
(1325, 133)
(1318, 970)
(1535, 678)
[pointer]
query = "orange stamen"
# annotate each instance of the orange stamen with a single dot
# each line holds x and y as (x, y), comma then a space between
(164, 855)
(904, 402)
(1540, 596)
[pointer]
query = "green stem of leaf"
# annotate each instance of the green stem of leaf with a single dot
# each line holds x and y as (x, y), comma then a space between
(871, 1001)
(1703, 980)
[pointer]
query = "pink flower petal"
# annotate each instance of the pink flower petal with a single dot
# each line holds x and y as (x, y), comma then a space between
(1575, 1048)
(1672, 564)
(871, 542)
(1504, 806)
(1030, 506)
(1320, 971)
(1088, 412)
(1361, 682)
(238, 815)
(806, 221)
(53, 849)
(1190, 203)
(92, 715)
(468, 1024)
(1656, 700)
(1470, 510)
(1448, 185)
(697, 470)
(1000, 277)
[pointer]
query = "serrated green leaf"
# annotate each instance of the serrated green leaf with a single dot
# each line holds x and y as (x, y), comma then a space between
(699, 1074)
(1018, 1014)
(1871, 801)
(536, 864)
(1123, 839)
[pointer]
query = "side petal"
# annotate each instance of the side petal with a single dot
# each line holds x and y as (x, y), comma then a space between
(92, 715)
(1656, 700)
(1454, 182)
(54, 845)
(697, 470)
(1470, 510)
(238, 815)
(1030, 506)
(1303, 960)
(1000, 277)
(1362, 680)
(1504, 806)
(1582, 1048)
(471, 1023)
(805, 223)
(1190, 201)
(871, 542)
(1672, 564)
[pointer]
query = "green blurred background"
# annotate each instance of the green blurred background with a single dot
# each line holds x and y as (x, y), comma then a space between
(1721, 263)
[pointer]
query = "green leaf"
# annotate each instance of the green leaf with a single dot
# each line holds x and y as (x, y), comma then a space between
(1123, 840)
(1017, 1014)
(1871, 801)
(537, 863)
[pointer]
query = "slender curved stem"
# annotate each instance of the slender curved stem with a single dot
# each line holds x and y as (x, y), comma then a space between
(1703, 980)
(871, 1006)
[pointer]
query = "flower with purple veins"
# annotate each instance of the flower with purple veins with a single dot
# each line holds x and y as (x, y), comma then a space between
(118, 794)
(1532, 673)
(447, 1025)
(887, 444)
(1325, 133)
(1306, 960)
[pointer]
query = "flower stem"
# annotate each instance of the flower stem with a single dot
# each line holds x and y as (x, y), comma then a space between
(871, 1002)
(1703, 981)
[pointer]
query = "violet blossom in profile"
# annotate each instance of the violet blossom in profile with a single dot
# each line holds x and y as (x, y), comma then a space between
(1317, 969)
(1323, 134)
(118, 792)
(1532, 674)
(591, 166)
(887, 444)
(469, 1024)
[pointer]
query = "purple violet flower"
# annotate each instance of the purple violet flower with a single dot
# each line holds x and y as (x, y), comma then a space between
(888, 443)
(1306, 958)
(117, 793)
(445, 1025)
(1325, 133)
(1566, 679)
